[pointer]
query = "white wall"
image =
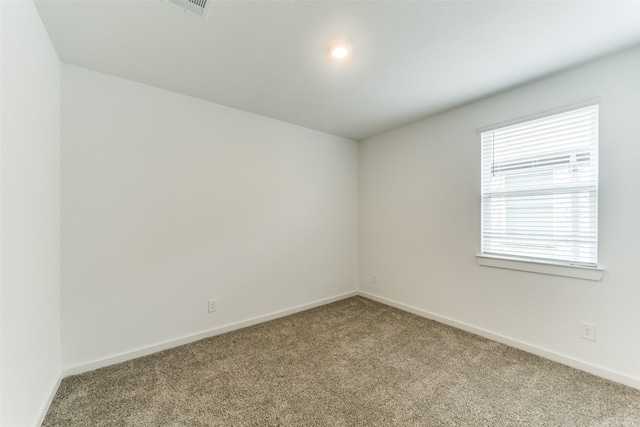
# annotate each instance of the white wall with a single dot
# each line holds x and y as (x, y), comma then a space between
(30, 222)
(168, 201)
(420, 224)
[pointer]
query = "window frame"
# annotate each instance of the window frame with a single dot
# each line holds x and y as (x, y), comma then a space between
(552, 267)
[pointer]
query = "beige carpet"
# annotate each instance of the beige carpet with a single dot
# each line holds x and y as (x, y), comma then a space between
(350, 363)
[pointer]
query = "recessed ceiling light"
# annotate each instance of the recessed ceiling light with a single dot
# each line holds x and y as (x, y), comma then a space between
(340, 51)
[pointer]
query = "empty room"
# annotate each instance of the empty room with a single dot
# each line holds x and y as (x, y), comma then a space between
(319, 213)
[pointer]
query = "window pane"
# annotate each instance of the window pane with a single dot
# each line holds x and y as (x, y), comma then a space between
(539, 189)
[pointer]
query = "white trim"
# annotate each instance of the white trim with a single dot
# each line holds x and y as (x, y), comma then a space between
(579, 272)
(586, 103)
(548, 354)
(539, 351)
(145, 351)
(44, 406)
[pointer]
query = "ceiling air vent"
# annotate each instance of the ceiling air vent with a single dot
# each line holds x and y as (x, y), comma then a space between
(194, 6)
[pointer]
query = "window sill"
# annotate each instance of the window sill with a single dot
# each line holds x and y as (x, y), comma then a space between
(587, 273)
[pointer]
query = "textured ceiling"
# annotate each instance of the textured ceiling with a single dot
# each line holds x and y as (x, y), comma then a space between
(410, 59)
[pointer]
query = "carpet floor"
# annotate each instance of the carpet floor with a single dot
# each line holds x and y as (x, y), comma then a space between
(351, 363)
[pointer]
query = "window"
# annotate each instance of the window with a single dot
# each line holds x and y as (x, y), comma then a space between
(540, 189)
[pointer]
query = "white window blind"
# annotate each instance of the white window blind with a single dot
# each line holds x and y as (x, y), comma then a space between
(540, 189)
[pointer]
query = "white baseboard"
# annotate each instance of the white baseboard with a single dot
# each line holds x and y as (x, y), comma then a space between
(547, 354)
(144, 351)
(44, 406)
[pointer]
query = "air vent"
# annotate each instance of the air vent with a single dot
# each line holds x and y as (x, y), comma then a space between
(194, 6)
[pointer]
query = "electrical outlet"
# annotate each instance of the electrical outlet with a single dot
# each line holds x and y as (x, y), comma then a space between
(374, 278)
(588, 331)
(212, 305)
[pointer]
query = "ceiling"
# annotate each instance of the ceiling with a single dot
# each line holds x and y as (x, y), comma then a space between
(409, 59)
